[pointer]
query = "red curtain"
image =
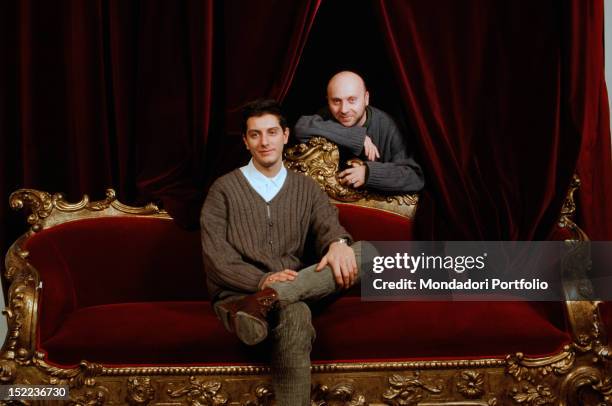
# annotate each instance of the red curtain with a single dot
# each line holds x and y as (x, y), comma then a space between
(502, 95)
(98, 94)
(589, 115)
(124, 94)
(262, 45)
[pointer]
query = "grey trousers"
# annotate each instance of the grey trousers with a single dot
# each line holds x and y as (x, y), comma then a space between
(294, 334)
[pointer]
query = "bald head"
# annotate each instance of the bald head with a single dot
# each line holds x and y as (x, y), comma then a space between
(346, 80)
(347, 98)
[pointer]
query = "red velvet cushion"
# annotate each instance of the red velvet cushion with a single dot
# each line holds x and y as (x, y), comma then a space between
(348, 329)
(122, 259)
(131, 291)
(374, 225)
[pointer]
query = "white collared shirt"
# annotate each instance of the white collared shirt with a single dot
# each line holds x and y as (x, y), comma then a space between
(265, 186)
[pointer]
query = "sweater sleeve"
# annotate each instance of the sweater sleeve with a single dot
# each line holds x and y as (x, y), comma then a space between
(399, 173)
(324, 222)
(351, 138)
(223, 263)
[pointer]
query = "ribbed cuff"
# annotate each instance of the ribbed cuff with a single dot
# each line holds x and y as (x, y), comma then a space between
(376, 175)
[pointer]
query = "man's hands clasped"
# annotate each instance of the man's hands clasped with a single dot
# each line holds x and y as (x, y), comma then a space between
(356, 176)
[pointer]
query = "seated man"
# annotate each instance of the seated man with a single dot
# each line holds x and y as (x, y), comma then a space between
(255, 222)
(365, 132)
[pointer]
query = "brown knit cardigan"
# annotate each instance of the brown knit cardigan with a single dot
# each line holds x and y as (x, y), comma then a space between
(243, 237)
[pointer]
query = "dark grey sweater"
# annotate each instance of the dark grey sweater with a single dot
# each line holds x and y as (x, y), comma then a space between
(243, 237)
(395, 171)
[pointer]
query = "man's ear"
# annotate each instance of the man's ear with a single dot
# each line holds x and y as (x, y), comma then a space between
(286, 135)
(245, 142)
(367, 98)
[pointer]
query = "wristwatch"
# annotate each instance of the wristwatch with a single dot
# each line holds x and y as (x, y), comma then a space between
(341, 240)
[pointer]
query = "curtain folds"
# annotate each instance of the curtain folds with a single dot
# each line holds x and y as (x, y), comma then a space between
(507, 100)
(588, 113)
(262, 43)
(101, 94)
(262, 53)
(502, 95)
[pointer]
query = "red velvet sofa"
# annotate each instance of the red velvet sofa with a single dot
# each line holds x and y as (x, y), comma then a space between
(110, 300)
(130, 291)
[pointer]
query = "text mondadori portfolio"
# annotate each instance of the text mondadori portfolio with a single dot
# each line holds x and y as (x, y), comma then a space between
(454, 284)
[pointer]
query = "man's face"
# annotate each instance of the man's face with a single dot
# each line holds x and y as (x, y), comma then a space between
(265, 139)
(347, 100)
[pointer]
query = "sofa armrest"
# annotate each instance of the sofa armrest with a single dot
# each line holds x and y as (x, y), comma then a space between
(584, 316)
(21, 312)
(320, 160)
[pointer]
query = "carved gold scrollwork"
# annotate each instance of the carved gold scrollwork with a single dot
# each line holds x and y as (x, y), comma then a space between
(342, 393)
(568, 210)
(586, 378)
(140, 391)
(61, 204)
(40, 204)
(22, 304)
(595, 340)
(529, 369)
(320, 160)
(89, 395)
(198, 393)
(8, 370)
(43, 205)
(261, 395)
(471, 384)
(408, 390)
(604, 387)
(530, 395)
(84, 374)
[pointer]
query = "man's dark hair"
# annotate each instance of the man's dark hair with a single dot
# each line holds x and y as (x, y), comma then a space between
(258, 108)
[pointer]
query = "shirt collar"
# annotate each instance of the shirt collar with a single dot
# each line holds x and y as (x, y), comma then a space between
(277, 180)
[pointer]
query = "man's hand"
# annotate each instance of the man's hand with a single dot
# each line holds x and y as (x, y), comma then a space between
(341, 259)
(354, 177)
(286, 275)
(370, 149)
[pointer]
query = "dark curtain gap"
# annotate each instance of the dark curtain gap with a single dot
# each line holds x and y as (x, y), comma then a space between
(344, 41)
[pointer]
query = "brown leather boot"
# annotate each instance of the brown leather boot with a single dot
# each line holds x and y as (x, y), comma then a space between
(248, 316)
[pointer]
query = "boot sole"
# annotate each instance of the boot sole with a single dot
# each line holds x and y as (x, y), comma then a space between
(250, 330)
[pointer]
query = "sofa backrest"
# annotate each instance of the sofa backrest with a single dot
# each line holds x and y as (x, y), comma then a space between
(129, 259)
(365, 223)
(121, 259)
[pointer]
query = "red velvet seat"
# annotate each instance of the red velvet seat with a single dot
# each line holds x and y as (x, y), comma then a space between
(130, 290)
(188, 332)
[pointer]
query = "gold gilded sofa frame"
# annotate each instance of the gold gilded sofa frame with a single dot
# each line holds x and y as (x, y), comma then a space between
(579, 374)
(320, 159)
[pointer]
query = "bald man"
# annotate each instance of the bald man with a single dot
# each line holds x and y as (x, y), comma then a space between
(364, 132)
